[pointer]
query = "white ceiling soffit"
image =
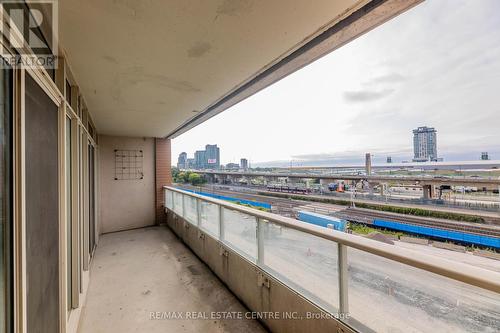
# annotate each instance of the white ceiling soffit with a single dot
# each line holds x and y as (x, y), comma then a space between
(157, 68)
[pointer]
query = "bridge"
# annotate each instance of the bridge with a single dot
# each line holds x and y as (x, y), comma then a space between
(428, 183)
(427, 180)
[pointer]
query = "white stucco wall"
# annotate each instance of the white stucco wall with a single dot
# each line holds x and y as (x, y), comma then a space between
(125, 204)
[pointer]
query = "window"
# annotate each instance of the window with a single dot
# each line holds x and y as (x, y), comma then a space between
(68, 92)
(69, 212)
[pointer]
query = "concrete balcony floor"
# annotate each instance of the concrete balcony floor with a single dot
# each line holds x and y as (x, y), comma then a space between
(146, 270)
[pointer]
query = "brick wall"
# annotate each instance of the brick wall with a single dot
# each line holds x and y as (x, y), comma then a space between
(163, 174)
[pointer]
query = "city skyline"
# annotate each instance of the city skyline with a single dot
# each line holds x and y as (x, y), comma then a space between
(370, 94)
(207, 159)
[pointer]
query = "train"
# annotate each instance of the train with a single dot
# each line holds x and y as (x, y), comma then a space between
(322, 220)
(336, 187)
(457, 236)
(288, 188)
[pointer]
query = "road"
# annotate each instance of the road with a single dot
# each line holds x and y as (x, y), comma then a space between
(286, 207)
(410, 179)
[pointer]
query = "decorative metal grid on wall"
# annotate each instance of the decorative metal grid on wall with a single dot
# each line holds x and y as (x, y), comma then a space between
(128, 164)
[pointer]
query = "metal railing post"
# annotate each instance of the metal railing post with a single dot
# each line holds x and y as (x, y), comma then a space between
(165, 193)
(183, 206)
(221, 223)
(260, 242)
(198, 212)
(343, 278)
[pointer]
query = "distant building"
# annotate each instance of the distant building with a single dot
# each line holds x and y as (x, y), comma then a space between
(389, 159)
(212, 155)
(190, 164)
(232, 166)
(485, 156)
(425, 144)
(206, 159)
(200, 159)
(244, 164)
(368, 164)
(181, 161)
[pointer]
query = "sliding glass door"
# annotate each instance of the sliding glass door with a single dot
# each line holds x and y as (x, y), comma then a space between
(42, 209)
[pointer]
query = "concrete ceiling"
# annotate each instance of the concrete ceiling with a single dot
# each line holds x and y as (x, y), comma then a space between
(147, 66)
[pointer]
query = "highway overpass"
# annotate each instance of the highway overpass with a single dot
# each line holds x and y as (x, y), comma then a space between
(422, 180)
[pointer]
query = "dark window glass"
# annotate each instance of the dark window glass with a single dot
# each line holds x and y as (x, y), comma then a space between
(42, 210)
(69, 211)
(68, 92)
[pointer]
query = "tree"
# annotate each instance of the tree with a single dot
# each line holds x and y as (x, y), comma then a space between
(196, 179)
(175, 173)
(181, 177)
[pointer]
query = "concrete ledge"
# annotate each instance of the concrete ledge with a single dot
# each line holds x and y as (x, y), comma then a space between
(414, 240)
(449, 246)
(487, 254)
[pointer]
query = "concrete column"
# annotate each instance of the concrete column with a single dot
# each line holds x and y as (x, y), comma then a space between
(428, 191)
(213, 178)
(433, 191)
(425, 192)
(383, 187)
(163, 174)
(369, 187)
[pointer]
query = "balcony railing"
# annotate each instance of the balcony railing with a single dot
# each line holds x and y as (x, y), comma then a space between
(367, 284)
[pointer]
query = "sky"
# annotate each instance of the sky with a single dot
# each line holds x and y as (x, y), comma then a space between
(437, 65)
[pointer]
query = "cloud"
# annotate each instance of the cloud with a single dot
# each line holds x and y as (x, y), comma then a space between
(361, 96)
(368, 95)
(353, 154)
(389, 78)
(313, 157)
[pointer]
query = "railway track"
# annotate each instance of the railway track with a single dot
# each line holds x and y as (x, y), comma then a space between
(367, 216)
(288, 208)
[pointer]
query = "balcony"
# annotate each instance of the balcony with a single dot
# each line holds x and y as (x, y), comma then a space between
(86, 150)
(139, 275)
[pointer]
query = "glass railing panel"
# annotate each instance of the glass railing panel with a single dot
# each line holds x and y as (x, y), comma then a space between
(190, 210)
(209, 218)
(307, 263)
(178, 203)
(169, 202)
(240, 231)
(387, 296)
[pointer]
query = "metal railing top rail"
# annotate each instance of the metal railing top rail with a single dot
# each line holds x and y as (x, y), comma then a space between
(468, 274)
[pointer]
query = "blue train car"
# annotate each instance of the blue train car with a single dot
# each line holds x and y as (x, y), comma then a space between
(222, 197)
(457, 236)
(322, 220)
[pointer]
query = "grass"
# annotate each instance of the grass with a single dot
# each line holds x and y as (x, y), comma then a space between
(254, 207)
(385, 208)
(361, 229)
(365, 230)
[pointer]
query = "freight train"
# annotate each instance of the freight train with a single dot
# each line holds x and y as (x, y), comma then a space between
(288, 188)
